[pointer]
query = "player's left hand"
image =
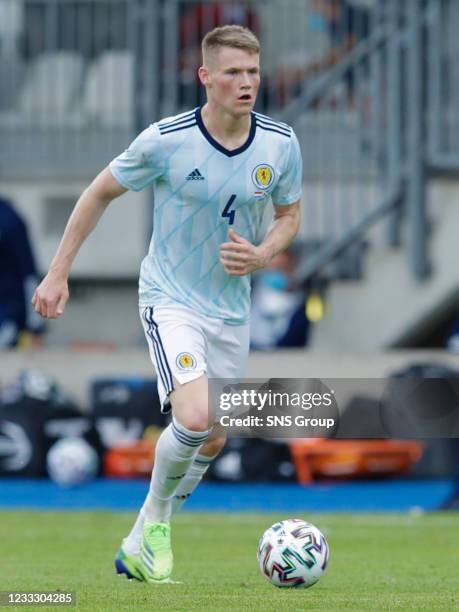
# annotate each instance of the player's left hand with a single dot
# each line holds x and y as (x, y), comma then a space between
(239, 256)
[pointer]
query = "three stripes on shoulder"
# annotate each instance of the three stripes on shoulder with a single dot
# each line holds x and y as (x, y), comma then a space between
(185, 120)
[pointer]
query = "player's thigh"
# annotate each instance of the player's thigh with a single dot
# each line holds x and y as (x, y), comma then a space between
(228, 352)
(178, 350)
(227, 358)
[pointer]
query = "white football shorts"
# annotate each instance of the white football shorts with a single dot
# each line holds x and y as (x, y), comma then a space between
(184, 345)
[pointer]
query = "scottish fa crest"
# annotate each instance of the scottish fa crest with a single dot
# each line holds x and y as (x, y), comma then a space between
(263, 176)
(186, 361)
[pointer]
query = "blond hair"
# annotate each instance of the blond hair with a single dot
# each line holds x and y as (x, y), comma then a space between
(234, 36)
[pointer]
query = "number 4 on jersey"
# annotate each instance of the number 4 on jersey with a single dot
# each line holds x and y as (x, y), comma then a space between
(230, 214)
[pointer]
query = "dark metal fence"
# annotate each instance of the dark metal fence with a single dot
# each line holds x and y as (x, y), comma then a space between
(401, 84)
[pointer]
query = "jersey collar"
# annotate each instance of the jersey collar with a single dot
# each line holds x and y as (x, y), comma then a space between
(217, 145)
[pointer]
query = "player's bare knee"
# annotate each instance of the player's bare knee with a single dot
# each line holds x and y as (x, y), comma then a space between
(195, 418)
(193, 414)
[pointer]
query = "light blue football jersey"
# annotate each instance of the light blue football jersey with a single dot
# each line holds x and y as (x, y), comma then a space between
(201, 189)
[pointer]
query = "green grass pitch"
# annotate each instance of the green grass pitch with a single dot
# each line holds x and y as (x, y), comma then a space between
(378, 562)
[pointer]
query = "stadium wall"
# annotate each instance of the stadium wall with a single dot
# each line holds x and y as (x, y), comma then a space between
(74, 370)
(388, 306)
(115, 248)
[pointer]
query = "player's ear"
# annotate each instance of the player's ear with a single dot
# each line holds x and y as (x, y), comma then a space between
(203, 73)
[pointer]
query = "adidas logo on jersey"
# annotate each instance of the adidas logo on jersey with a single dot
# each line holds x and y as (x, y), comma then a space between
(195, 176)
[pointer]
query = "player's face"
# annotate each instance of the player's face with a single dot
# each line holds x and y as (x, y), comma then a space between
(233, 79)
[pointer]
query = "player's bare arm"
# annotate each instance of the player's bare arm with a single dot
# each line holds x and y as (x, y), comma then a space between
(52, 294)
(239, 256)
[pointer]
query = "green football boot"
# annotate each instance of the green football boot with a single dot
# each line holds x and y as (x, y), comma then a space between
(128, 565)
(156, 559)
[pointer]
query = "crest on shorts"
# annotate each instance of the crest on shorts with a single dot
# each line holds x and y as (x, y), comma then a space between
(263, 176)
(185, 361)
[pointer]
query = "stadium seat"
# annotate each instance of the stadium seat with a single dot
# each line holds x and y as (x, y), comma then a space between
(52, 82)
(316, 458)
(49, 91)
(108, 96)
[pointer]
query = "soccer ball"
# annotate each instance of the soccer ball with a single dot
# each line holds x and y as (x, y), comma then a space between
(71, 461)
(293, 553)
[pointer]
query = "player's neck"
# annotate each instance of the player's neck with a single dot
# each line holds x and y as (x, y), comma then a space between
(229, 131)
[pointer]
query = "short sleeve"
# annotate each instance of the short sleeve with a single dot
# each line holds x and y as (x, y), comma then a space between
(289, 186)
(141, 163)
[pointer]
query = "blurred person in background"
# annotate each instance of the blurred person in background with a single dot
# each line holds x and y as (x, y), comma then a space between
(20, 325)
(452, 340)
(333, 28)
(348, 23)
(452, 345)
(295, 67)
(278, 317)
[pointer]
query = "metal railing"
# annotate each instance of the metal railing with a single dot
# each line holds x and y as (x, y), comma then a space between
(361, 178)
(400, 83)
(442, 92)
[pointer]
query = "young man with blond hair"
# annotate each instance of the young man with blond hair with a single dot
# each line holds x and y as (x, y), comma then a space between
(214, 170)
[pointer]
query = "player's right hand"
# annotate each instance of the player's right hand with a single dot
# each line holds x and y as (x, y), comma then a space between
(50, 297)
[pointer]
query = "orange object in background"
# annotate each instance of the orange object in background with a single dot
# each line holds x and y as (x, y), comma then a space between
(322, 458)
(133, 461)
(314, 458)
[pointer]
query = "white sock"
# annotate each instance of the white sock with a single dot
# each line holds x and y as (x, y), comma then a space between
(191, 480)
(186, 487)
(175, 451)
(131, 544)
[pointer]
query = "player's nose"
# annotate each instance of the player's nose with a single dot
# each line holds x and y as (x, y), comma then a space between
(245, 80)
